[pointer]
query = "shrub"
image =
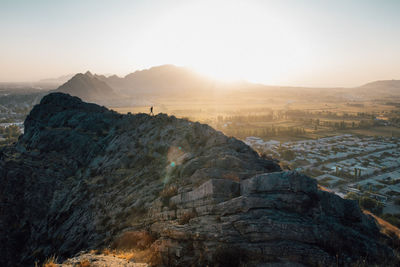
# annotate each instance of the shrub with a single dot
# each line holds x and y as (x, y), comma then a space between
(287, 155)
(371, 204)
(352, 196)
(367, 203)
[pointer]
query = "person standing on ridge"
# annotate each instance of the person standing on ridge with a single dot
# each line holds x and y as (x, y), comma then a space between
(151, 111)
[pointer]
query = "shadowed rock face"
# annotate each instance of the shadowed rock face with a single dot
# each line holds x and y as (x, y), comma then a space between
(81, 175)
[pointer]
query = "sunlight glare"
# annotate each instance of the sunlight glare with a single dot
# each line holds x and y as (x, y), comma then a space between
(232, 42)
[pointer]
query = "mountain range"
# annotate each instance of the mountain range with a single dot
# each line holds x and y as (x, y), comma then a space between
(159, 80)
(169, 81)
(89, 88)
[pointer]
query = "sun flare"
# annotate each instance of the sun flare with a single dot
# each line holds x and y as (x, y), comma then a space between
(233, 42)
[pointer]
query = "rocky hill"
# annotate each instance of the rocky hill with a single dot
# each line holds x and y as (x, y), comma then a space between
(385, 87)
(389, 84)
(177, 193)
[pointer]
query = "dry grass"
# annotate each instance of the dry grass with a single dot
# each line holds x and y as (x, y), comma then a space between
(323, 188)
(145, 256)
(133, 240)
(389, 230)
(136, 245)
(169, 191)
(50, 262)
(106, 251)
(85, 263)
(149, 255)
(385, 227)
(94, 252)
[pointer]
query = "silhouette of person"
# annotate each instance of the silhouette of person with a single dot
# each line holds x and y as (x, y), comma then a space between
(151, 111)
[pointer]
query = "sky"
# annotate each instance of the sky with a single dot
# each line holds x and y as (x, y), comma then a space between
(278, 42)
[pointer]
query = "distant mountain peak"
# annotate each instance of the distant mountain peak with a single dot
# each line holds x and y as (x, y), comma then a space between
(88, 87)
(88, 73)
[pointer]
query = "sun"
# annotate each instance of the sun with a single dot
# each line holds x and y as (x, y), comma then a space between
(232, 41)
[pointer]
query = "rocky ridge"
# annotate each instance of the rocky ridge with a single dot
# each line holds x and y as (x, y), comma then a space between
(83, 177)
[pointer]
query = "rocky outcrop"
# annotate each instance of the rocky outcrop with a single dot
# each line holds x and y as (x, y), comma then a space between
(278, 217)
(82, 177)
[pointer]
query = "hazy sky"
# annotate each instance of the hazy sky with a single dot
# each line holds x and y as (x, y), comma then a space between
(288, 42)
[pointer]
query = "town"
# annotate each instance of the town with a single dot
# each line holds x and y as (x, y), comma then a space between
(350, 166)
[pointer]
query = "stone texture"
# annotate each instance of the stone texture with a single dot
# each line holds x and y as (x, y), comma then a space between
(214, 188)
(276, 182)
